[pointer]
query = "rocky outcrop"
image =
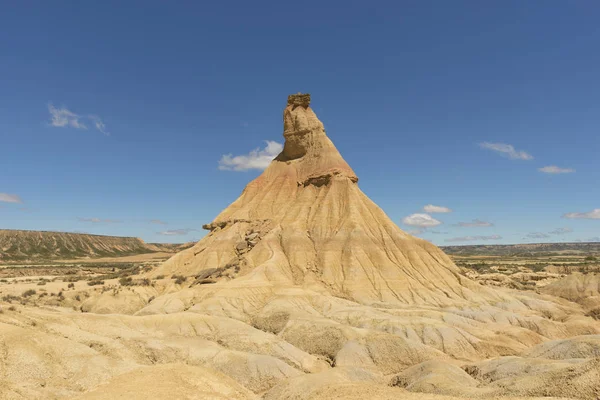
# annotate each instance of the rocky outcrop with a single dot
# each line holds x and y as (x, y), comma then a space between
(314, 225)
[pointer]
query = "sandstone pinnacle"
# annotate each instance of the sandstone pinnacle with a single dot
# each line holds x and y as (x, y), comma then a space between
(315, 227)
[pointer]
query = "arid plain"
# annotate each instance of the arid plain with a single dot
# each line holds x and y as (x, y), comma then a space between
(302, 289)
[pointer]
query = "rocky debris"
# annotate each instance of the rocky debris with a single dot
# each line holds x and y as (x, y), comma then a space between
(233, 267)
(213, 226)
(241, 247)
(251, 239)
(324, 180)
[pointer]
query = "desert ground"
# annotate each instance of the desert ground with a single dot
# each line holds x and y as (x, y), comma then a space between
(303, 289)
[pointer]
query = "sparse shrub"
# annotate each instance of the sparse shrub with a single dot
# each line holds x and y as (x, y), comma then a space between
(399, 381)
(537, 267)
(126, 281)
(151, 298)
(273, 323)
(160, 277)
(9, 298)
(325, 342)
(129, 281)
(144, 282)
(41, 283)
(594, 313)
(480, 267)
(78, 298)
(71, 286)
(472, 370)
(590, 258)
(180, 280)
(123, 271)
(28, 293)
(12, 308)
(95, 282)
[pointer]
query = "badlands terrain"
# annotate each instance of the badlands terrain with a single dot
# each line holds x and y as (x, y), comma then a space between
(17, 246)
(303, 289)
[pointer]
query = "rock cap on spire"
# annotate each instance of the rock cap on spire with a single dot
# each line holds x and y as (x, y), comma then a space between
(299, 100)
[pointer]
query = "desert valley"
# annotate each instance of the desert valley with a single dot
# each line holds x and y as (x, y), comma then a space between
(302, 289)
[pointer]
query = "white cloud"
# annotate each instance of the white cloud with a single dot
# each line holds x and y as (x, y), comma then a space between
(473, 238)
(177, 232)
(560, 231)
(421, 220)
(430, 208)
(506, 150)
(594, 214)
(158, 222)
(63, 117)
(256, 159)
(99, 220)
(553, 169)
(99, 124)
(537, 235)
(476, 223)
(10, 198)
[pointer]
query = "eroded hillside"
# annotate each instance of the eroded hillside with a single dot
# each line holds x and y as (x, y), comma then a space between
(19, 245)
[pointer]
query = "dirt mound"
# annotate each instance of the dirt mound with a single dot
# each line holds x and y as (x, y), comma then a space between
(581, 288)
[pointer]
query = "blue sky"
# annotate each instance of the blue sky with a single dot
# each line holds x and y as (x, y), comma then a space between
(114, 115)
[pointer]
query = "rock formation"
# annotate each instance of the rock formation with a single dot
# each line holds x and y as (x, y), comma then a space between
(304, 221)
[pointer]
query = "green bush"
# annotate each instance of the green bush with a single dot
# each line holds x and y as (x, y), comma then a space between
(129, 281)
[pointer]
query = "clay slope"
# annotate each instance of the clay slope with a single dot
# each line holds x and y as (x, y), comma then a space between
(304, 221)
(580, 288)
(18, 245)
